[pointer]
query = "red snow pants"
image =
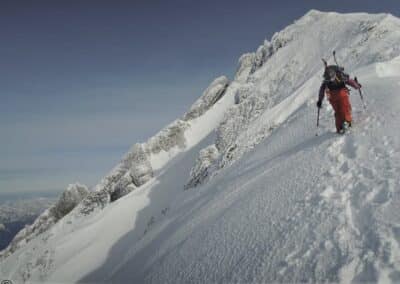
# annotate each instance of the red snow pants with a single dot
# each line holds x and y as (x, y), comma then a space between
(340, 102)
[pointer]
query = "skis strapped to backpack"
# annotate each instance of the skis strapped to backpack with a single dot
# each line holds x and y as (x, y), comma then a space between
(334, 75)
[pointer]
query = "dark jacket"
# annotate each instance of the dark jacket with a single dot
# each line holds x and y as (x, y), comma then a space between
(327, 85)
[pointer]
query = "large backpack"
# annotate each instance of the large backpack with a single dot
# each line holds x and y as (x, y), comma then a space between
(334, 77)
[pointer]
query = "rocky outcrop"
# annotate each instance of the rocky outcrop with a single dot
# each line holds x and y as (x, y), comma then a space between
(201, 170)
(246, 66)
(140, 170)
(210, 96)
(121, 191)
(250, 62)
(71, 197)
(170, 137)
(95, 200)
(123, 187)
(135, 168)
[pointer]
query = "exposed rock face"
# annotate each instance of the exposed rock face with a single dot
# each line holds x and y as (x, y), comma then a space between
(140, 170)
(210, 96)
(74, 194)
(95, 200)
(250, 62)
(168, 138)
(246, 62)
(123, 187)
(121, 191)
(201, 170)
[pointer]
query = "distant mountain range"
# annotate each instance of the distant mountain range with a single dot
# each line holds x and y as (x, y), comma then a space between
(14, 215)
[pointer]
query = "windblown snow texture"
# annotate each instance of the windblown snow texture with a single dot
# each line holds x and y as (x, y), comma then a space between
(240, 189)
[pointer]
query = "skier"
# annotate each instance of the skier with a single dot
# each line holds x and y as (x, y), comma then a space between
(334, 85)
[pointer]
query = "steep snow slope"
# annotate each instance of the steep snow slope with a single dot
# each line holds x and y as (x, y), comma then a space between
(268, 200)
(295, 208)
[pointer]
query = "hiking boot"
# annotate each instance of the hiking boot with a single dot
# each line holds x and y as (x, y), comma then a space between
(346, 125)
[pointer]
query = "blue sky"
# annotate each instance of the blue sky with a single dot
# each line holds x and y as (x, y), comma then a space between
(81, 81)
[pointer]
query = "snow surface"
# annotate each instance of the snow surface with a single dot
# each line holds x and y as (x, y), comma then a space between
(280, 204)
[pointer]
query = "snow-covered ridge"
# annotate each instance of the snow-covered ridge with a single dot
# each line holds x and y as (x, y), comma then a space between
(14, 215)
(270, 202)
(359, 39)
(139, 164)
(135, 169)
(74, 194)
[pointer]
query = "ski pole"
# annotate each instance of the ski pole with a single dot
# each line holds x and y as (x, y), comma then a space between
(334, 57)
(316, 134)
(361, 95)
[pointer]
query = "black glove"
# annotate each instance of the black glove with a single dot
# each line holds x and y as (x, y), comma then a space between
(319, 104)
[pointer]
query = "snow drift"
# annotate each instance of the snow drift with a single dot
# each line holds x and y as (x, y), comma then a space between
(240, 189)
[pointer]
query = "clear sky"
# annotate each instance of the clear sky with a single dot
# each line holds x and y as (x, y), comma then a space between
(83, 80)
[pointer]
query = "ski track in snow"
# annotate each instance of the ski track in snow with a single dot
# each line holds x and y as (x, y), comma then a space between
(361, 184)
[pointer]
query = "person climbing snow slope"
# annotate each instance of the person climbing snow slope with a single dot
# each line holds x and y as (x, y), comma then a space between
(334, 86)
